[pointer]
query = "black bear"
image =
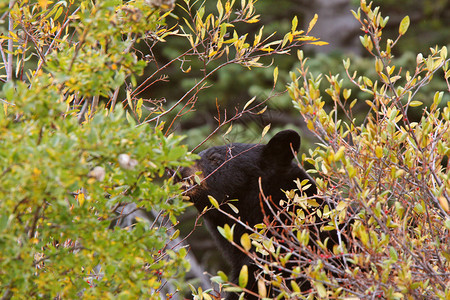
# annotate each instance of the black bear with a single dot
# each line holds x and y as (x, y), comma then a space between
(241, 171)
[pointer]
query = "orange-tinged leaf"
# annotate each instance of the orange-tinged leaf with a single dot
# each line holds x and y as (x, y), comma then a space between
(444, 203)
(43, 3)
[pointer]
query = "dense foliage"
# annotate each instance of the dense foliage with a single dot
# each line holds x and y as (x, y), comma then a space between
(70, 154)
(387, 176)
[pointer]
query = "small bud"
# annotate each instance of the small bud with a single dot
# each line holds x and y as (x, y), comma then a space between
(126, 162)
(98, 173)
(419, 58)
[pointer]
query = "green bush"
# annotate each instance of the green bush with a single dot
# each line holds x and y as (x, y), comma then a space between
(77, 140)
(52, 241)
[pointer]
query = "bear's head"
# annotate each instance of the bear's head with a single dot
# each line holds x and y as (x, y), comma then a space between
(243, 171)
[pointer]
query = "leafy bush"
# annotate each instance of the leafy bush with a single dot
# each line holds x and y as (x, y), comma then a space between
(53, 242)
(70, 155)
(388, 178)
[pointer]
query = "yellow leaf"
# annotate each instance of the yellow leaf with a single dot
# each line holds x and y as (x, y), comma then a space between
(228, 130)
(220, 9)
(139, 107)
(267, 49)
(379, 151)
(319, 43)
(212, 53)
(234, 208)
(294, 24)
(249, 102)
(262, 290)
(295, 287)
(129, 99)
(187, 70)
(213, 201)
(339, 154)
(252, 20)
(245, 241)
(347, 93)
(265, 130)
(378, 65)
(312, 23)
(415, 103)
(341, 205)
(80, 199)
(262, 111)
(36, 172)
(306, 38)
(43, 3)
(275, 75)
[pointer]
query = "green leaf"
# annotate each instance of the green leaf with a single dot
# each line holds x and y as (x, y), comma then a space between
(234, 208)
(295, 286)
(393, 254)
(404, 24)
(213, 201)
(243, 276)
(226, 231)
(415, 103)
(3, 222)
(320, 289)
(175, 235)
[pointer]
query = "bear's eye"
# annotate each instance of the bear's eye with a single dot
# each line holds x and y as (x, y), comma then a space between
(215, 158)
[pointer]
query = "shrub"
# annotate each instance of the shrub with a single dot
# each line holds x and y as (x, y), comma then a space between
(70, 154)
(388, 177)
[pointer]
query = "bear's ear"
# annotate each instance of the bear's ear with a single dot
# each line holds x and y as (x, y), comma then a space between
(280, 147)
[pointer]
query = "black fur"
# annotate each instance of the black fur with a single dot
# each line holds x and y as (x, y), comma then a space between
(232, 172)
